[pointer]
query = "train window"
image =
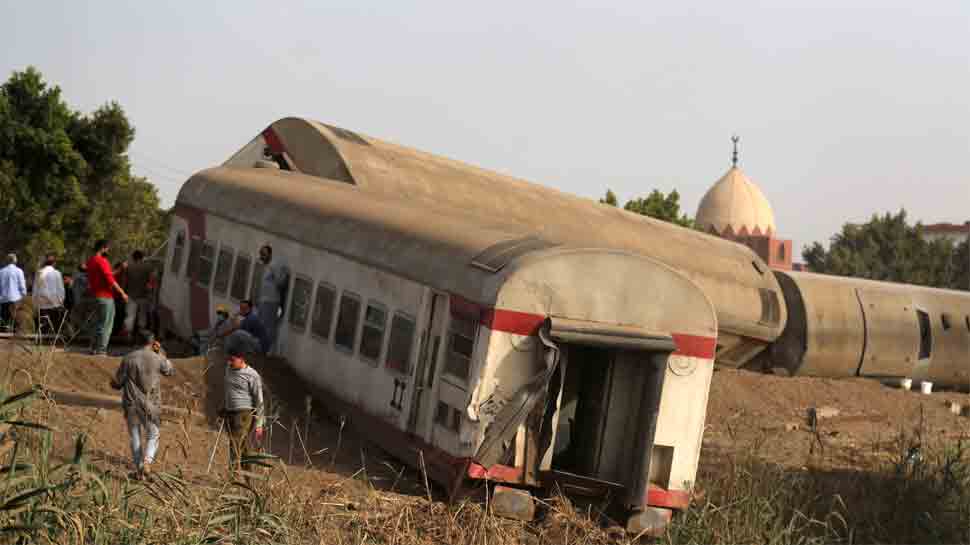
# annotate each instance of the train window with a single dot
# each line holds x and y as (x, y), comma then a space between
(323, 311)
(194, 251)
(178, 248)
(461, 344)
(346, 332)
(300, 303)
(402, 340)
(925, 335)
(240, 277)
(207, 260)
(448, 417)
(223, 270)
(257, 280)
(945, 321)
(372, 335)
(770, 311)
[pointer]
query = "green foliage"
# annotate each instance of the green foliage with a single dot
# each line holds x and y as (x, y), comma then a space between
(610, 198)
(656, 205)
(65, 180)
(888, 248)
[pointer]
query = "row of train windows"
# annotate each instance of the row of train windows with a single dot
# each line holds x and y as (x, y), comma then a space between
(202, 262)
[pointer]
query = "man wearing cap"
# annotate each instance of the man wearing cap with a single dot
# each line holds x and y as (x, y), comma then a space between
(13, 288)
(243, 406)
(248, 333)
(138, 378)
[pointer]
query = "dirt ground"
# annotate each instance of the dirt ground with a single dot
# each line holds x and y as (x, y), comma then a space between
(747, 413)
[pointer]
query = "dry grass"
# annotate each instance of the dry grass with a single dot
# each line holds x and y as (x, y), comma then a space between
(53, 495)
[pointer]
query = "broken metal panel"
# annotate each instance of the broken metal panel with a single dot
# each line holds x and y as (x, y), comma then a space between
(519, 406)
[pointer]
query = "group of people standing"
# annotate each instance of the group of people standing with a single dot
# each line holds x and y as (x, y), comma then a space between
(100, 290)
(62, 302)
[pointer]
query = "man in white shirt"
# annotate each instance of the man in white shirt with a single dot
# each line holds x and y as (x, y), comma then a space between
(49, 296)
(13, 288)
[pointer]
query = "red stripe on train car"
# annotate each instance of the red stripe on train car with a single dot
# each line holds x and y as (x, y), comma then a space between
(496, 472)
(697, 346)
(511, 321)
(671, 499)
(525, 323)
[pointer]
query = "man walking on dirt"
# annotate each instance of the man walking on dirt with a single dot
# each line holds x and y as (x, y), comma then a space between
(102, 286)
(138, 378)
(243, 406)
(13, 288)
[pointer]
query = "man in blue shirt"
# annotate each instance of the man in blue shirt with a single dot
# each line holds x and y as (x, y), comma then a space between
(13, 288)
(249, 334)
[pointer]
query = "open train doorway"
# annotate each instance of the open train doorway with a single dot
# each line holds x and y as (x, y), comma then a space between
(607, 419)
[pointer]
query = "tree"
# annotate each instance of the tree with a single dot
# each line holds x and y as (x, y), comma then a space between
(65, 179)
(889, 248)
(656, 205)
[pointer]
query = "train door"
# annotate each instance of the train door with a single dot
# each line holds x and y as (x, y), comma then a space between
(431, 340)
(606, 395)
(896, 335)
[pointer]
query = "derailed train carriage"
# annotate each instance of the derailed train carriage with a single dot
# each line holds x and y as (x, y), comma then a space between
(525, 364)
(507, 330)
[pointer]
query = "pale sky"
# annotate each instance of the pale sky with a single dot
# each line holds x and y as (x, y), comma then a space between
(845, 109)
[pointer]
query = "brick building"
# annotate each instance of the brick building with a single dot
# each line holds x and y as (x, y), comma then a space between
(736, 209)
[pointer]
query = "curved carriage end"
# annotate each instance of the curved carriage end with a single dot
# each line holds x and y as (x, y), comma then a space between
(626, 409)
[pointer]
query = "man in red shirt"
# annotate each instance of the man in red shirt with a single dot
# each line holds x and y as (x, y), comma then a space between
(102, 286)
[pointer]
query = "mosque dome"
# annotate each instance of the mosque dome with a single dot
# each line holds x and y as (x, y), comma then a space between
(735, 204)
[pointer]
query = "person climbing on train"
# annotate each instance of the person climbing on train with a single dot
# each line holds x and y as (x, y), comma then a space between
(248, 333)
(272, 292)
(139, 379)
(242, 407)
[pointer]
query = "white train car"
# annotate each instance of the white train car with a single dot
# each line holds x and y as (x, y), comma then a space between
(483, 349)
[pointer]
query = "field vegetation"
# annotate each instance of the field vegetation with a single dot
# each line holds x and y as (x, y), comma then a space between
(52, 492)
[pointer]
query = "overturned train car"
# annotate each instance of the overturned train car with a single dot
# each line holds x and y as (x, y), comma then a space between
(529, 364)
(504, 330)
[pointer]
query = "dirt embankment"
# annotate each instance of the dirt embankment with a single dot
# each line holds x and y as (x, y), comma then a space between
(747, 413)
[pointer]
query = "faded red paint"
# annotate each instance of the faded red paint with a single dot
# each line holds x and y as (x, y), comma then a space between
(464, 308)
(671, 499)
(511, 321)
(273, 140)
(198, 296)
(525, 323)
(697, 346)
(496, 472)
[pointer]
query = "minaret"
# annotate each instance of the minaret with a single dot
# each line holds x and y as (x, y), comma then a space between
(734, 156)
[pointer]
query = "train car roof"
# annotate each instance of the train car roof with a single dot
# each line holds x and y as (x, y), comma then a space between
(402, 174)
(866, 283)
(425, 244)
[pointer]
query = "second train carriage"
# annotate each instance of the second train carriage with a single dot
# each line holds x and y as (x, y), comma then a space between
(903, 330)
(522, 363)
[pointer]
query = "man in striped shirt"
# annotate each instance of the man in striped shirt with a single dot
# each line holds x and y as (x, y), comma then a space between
(243, 408)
